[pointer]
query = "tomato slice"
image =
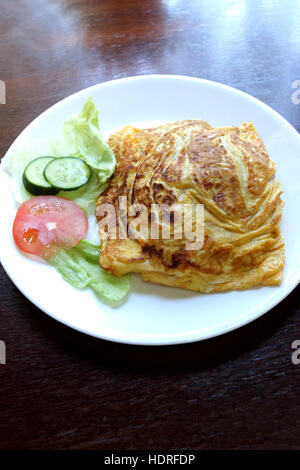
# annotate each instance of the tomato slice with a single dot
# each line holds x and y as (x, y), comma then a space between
(43, 224)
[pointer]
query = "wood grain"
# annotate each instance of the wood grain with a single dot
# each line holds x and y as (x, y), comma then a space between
(63, 390)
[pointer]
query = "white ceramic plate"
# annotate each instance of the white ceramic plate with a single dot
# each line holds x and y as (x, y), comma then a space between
(155, 314)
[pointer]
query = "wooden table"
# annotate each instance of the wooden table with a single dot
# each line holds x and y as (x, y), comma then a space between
(61, 389)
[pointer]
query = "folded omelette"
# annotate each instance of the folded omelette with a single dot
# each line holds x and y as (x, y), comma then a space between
(228, 170)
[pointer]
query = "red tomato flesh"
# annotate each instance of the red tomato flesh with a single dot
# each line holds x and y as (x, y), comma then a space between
(43, 224)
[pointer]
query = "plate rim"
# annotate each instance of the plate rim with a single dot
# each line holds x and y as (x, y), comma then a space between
(134, 340)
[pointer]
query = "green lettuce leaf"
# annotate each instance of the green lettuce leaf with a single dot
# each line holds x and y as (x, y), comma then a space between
(80, 136)
(80, 267)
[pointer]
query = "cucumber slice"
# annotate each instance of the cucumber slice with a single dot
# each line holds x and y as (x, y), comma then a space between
(33, 177)
(67, 173)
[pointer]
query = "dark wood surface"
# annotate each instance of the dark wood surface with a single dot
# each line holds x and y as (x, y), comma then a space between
(63, 390)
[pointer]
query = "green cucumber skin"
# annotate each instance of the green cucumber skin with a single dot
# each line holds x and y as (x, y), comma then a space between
(36, 189)
(71, 188)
